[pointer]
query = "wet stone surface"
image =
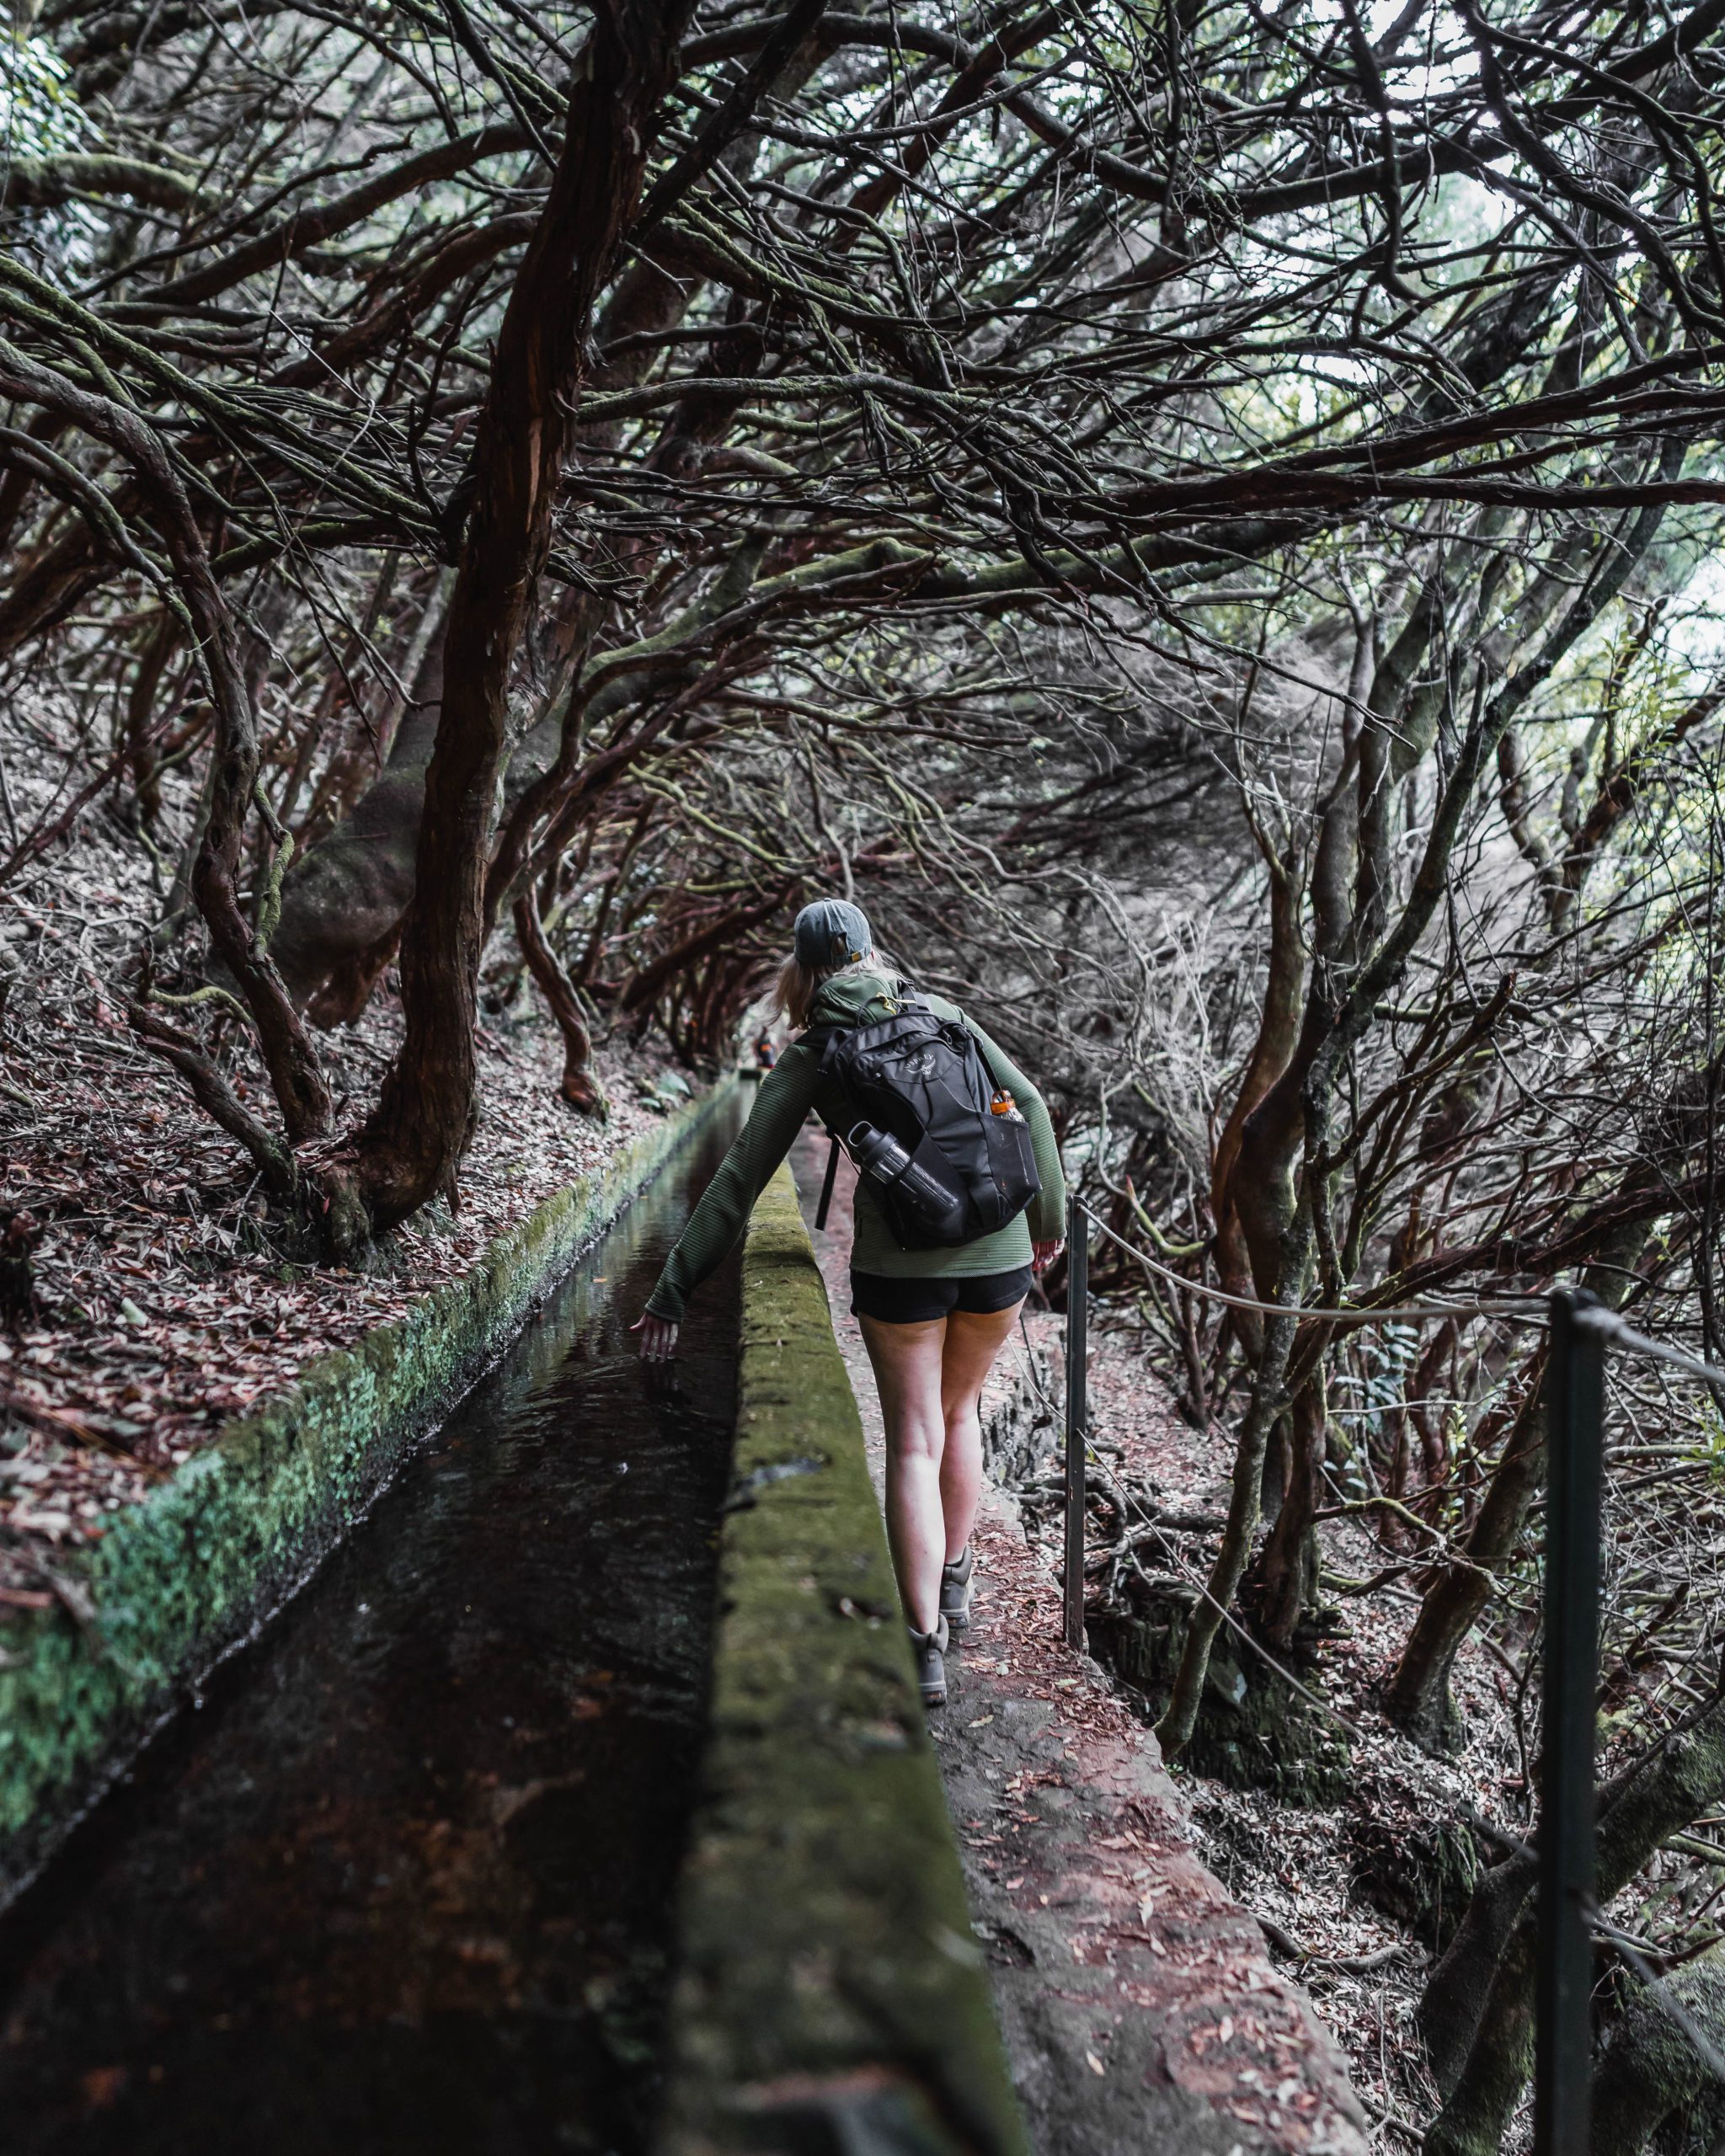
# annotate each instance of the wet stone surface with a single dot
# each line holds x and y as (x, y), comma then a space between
(404, 1881)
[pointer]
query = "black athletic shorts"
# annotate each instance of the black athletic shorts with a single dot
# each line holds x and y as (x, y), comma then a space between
(914, 1302)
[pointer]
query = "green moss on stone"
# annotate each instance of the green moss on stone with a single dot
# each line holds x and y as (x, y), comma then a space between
(181, 1578)
(1254, 1729)
(831, 1993)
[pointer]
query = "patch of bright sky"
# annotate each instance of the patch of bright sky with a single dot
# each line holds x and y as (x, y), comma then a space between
(39, 117)
(1694, 627)
(38, 113)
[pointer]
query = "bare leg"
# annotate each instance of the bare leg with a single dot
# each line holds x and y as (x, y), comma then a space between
(907, 1373)
(972, 1342)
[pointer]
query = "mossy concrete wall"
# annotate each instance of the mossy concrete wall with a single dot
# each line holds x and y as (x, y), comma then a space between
(183, 1577)
(832, 1996)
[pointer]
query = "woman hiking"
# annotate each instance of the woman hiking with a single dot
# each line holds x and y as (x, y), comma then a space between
(933, 1318)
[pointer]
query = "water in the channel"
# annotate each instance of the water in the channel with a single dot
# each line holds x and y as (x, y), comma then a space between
(403, 1884)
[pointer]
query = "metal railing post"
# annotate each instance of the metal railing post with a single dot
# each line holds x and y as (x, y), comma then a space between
(1563, 1983)
(1077, 1410)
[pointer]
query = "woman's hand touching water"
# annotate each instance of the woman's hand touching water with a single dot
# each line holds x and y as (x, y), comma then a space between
(658, 1337)
(1043, 1255)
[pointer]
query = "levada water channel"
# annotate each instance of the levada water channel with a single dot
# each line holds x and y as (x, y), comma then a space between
(404, 1881)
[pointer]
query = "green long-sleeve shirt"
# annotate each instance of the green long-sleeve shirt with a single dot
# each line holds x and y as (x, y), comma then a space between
(788, 1092)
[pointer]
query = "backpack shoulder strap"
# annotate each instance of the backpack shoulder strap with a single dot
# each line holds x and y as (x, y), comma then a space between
(982, 1055)
(832, 1169)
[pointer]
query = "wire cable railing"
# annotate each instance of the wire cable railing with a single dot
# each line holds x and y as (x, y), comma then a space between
(1582, 1330)
(1521, 1309)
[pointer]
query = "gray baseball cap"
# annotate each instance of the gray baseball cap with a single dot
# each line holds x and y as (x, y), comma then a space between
(831, 932)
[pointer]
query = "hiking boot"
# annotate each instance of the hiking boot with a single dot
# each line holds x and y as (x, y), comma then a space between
(930, 1650)
(955, 1591)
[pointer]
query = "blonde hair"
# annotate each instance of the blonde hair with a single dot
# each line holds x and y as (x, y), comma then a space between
(799, 985)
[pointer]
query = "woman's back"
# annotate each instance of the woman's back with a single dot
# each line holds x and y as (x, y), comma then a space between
(860, 995)
(934, 1319)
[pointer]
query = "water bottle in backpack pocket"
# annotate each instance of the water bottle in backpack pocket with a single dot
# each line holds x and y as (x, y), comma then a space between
(925, 1196)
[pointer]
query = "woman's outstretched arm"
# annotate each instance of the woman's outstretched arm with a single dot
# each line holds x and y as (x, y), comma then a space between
(780, 1108)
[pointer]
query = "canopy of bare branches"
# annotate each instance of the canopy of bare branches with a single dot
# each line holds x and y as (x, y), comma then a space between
(1203, 517)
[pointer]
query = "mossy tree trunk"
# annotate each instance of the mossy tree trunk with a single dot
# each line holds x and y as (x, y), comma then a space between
(1478, 2013)
(1649, 2071)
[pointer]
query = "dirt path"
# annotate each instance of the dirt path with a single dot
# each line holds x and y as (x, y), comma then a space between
(1140, 2009)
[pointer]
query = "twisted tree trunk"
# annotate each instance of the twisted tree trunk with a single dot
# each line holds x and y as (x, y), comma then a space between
(355, 886)
(295, 1071)
(409, 1147)
(1418, 1696)
(580, 1082)
(345, 899)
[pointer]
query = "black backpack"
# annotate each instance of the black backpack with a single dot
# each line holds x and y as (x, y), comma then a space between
(919, 1085)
